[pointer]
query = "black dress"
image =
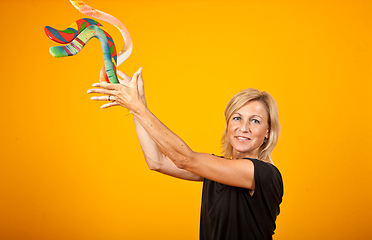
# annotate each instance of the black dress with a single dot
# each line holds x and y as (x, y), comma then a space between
(231, 213)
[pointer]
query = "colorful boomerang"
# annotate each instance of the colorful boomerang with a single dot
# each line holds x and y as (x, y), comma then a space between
(72, 31)
(78, 34)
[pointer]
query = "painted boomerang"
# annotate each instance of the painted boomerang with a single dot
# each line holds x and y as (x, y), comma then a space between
(77, 35)
(68, 35)
(94, 13)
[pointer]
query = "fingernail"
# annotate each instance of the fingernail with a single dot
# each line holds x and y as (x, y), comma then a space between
(89, 91)
(95, 84)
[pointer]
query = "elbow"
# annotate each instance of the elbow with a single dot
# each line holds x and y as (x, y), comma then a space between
(180, 164)
(154, 167)
(184, 162)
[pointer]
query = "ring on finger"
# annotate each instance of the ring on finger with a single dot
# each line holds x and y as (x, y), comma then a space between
(108, 98)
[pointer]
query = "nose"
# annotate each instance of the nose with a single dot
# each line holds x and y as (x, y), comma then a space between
(245, 127)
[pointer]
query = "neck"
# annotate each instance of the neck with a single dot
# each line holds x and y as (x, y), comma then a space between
(240, 155)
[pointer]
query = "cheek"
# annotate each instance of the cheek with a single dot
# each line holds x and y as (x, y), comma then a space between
(260, 132)
(229, 131)
(231, 128)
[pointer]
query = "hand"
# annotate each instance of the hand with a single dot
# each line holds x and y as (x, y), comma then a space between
(125, 94)
(126, 80)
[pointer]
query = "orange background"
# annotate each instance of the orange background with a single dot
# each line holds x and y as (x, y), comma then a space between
(70, 170)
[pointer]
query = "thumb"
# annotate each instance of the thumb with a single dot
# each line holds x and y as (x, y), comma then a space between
(136, 77)
(125, 78)
(140, 75)
(124, 81)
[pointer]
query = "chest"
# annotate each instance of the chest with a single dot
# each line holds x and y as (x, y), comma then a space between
(220, 201)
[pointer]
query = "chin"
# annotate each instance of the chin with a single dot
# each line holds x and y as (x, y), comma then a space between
(253, 153)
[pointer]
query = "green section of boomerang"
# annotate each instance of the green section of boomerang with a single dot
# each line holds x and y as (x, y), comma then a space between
(67, 31)
(58, 51)
(83, 26)
(111, 50)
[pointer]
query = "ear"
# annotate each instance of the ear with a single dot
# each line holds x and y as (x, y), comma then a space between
(267, 133)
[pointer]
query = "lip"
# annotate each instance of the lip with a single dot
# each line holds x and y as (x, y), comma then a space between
(242, 138)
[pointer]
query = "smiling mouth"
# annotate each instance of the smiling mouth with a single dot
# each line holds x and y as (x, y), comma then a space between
(243, 138)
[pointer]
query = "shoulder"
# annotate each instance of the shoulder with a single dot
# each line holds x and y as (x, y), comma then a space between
(267, 174)
(265, 167)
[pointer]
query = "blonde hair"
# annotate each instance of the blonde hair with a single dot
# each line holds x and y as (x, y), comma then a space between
(238, 101)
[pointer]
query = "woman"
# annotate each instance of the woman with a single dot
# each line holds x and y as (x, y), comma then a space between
(242, 190)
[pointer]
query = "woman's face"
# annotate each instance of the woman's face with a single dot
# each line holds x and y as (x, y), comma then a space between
(247, 129)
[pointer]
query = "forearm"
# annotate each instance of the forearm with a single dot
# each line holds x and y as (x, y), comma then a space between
(153, 156)
(165, 140)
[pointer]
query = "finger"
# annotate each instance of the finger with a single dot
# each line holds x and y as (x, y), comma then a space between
(110, 104)
(108, 86)
(100, 91)
(102, 98)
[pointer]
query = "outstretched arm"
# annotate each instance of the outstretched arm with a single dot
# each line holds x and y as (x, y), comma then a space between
(155, 159)
(238, 173)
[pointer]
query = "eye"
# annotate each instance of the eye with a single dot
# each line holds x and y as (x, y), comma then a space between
(236, 118)
(255, 121)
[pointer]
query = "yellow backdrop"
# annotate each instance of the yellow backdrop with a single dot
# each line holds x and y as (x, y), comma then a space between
(70, 170)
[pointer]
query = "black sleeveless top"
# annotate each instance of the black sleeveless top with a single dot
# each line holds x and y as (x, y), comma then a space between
(231, 213)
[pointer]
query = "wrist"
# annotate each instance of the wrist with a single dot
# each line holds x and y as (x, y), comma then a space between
(144, 100)
(141, 106)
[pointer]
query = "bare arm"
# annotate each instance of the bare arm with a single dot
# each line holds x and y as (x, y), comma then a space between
(158, 161)
(169, 146)
(155, 159)
(239, 173)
